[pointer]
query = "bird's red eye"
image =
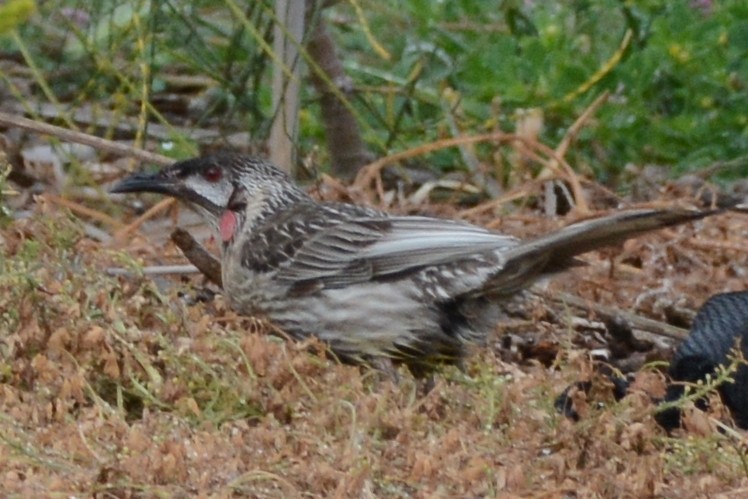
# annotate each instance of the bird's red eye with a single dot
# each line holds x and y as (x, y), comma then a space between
(212, 174)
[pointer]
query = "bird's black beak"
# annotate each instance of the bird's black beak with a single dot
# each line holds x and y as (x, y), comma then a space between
(147, 182)
(170, 181)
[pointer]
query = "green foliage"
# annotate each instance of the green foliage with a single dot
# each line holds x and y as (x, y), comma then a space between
(123, 55)
(14, 13)
(675, 93)
(676, 71)
(5, 191)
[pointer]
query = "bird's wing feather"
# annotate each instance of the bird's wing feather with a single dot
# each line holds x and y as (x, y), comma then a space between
(368, 248)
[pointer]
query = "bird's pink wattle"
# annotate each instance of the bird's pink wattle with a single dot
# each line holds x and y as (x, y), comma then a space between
(227, 225)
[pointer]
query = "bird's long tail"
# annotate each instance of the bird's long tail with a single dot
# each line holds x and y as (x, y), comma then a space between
(554, 252)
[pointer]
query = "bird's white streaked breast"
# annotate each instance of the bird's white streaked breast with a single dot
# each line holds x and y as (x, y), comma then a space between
(368, 319)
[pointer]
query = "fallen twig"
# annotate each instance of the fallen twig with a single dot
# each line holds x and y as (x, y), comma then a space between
(372, 171)
(574, 129)
(206, 263)
(133, 226)
(563, 147)
(492, 204)
(83, 210)
(704, 244)
(606, 312)
(156, 270)
(98, 143)
(96, 234)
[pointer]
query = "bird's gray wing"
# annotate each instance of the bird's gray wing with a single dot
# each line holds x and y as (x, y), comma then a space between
(366, 248)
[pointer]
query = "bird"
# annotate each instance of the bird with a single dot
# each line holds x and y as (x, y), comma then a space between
(719, 331)
(717, 339)
(416, 290)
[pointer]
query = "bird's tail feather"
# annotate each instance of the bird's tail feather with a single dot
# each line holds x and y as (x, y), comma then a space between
(554, 252)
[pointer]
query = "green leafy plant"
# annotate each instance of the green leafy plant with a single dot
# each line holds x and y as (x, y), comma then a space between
(423, 71)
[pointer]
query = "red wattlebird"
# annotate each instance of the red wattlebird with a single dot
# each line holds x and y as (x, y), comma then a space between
(370, 284)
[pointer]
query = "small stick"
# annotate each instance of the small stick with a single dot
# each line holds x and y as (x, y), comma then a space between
(714, 245)
(83, 210)
(606, 312)
(576, 127)
(563, 147)
(156, 270)
(133, 226)
(206, 263)
(368, 173)
(13, 120)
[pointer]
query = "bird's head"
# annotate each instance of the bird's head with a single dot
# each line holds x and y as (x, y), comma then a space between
(207, 184)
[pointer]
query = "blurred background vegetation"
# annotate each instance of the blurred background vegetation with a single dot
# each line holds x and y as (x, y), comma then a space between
(420, 70)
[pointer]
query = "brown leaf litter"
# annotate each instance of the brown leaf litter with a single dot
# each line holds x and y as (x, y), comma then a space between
(132, 387)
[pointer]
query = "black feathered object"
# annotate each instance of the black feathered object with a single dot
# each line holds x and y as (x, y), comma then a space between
(720, 324)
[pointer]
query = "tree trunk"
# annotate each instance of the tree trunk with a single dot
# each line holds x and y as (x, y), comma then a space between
(344, 143)
(287, 36)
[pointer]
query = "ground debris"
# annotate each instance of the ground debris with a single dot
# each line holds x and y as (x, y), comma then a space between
(112, 385)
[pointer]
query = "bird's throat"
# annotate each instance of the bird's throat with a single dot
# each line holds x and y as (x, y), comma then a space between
(227, 225)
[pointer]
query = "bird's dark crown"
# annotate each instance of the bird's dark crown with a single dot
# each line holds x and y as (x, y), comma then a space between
(236, 165)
